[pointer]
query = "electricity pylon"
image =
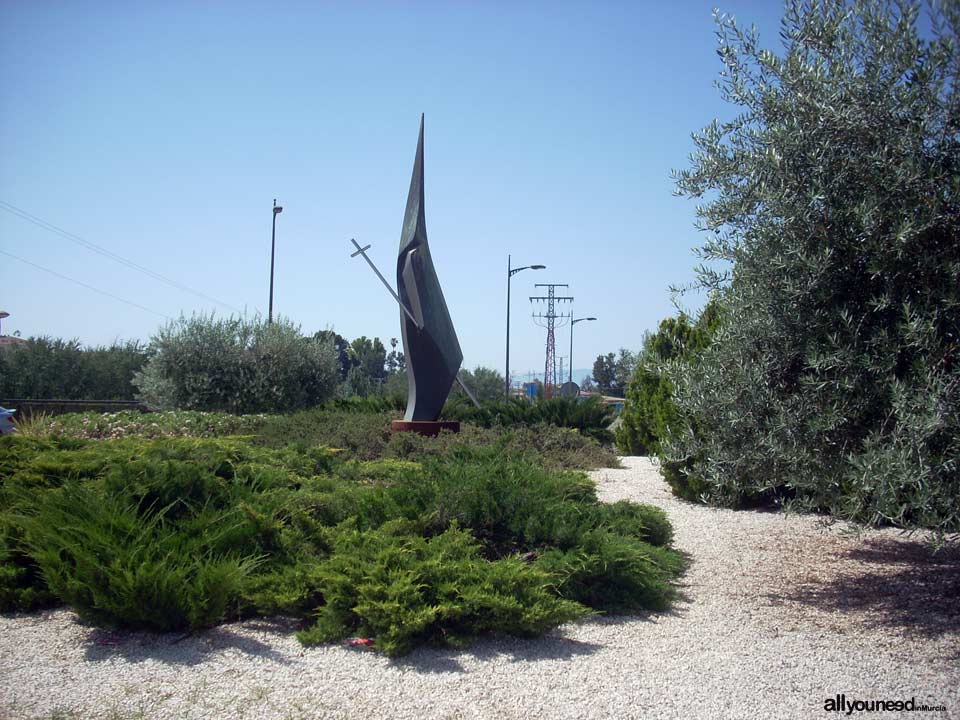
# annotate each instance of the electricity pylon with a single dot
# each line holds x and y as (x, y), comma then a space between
(548, 320)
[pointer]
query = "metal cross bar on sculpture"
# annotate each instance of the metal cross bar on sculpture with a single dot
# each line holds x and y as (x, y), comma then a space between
(362, 251)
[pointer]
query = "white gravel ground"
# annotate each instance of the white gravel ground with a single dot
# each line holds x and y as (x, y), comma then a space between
(780, 614)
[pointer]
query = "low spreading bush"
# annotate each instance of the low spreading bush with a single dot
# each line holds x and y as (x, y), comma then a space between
(181, 533)
(404, 589)
(368, 404)
(361, 435)
(613, 572)
(136, 567)
(590, 417)
(131, 423)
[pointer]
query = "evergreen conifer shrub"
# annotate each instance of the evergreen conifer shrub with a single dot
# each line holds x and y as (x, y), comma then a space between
(183, 533)
(649, 411)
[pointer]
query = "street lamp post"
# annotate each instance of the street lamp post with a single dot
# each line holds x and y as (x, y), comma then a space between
(572, 323)
(511, 271)
(273, 244)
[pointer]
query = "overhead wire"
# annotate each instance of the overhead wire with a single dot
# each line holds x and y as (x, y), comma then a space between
(73, 237)
(83, 284)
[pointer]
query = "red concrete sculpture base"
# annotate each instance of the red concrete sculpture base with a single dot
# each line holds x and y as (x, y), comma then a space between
(426, 428)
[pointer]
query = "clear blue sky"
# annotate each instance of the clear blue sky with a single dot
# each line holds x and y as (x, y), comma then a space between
(162, 132)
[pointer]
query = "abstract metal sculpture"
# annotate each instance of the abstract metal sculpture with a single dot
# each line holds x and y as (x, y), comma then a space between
(430, 344)
(431, 349)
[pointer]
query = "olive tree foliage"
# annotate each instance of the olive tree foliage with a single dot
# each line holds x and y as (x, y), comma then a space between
(237, 365)
(832, 203)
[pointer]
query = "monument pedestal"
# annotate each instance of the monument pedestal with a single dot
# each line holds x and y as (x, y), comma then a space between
(427, 428)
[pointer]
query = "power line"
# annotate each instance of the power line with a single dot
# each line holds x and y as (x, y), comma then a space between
(83, 284)
(50, 227)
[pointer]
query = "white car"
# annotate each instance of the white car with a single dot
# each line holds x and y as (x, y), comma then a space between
(6, 422)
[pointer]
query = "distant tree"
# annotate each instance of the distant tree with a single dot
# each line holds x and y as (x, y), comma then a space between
(623, 369)
(342, 348)
(108, 371)
(612, 372)
(605, 373)
(395, 386)
(47, 367)
(396, 362)
(370, 358)
(485, 383)
(359, 384)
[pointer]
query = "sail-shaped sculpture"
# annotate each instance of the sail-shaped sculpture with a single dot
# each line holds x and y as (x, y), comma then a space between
(432, 351)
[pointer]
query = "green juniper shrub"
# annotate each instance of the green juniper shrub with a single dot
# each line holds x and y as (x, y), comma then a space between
(403, 589)
(367, 404)
(612, 572)
(115, 564)
(181, 533)
(590, 417)
(22, 587)
(510, 504)
(29, 467)
(359, 435)
(555, 447)
(643, 522)
(109, 523)
(561, 447)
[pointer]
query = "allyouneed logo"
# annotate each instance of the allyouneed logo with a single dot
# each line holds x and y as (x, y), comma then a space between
(848, 707)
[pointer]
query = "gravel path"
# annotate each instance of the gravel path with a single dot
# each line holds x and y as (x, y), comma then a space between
(779, 615)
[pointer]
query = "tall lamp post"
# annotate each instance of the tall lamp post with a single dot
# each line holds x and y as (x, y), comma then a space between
(572, 323)
(511, 271)
(273, 244)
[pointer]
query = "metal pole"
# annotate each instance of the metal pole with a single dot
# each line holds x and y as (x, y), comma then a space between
(273, 244)
(363, 252)
(507, 374)
(572, 323)
(511, 271)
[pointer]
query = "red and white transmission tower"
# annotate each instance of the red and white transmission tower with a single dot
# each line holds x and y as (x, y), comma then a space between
(549, 321)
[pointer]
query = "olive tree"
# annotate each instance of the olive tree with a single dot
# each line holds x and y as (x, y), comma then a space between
(831, 204)
(237, 365)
